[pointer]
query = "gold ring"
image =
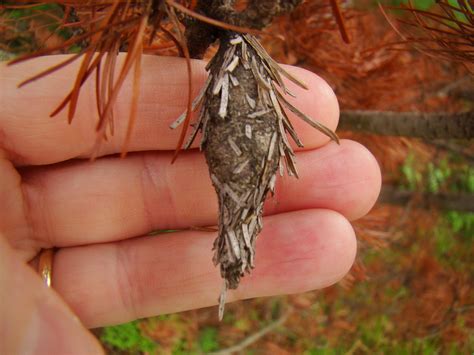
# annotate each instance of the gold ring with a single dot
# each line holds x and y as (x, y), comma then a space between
(45, 265)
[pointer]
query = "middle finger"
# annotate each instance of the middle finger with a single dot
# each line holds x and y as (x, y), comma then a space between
(112, 199)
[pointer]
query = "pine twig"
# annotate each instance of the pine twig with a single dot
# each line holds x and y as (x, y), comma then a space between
(254, 337)
(410, 124)
(444, 200)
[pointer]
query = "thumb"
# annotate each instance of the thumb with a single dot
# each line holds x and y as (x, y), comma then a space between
(33, 319)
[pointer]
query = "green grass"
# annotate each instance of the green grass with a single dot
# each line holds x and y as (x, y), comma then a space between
(127, 337)
(208, 339)
(451, 173)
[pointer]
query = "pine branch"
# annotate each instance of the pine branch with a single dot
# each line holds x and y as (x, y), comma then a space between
(254, 337)
(444, 200)
(410, 124)
(257, 15)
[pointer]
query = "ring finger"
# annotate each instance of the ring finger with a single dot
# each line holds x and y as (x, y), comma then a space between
(112, 199)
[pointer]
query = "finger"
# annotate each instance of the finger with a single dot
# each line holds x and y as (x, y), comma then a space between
(33, 320)
(32, 138)
(113, 199)
(118, 282)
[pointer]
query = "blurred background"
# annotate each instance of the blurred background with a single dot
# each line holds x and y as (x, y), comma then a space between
(411, 288)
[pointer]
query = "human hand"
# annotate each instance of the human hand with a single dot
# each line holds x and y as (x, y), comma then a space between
(53, 196)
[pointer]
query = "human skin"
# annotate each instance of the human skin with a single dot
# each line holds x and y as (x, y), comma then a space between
(96, 214)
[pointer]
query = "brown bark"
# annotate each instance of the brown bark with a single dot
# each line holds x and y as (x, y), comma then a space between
(410, 124)
(443, 200)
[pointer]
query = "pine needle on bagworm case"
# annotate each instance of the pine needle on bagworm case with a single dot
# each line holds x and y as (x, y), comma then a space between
(244, 140)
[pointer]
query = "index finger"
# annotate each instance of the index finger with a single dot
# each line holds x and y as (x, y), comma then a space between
(31, 137)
